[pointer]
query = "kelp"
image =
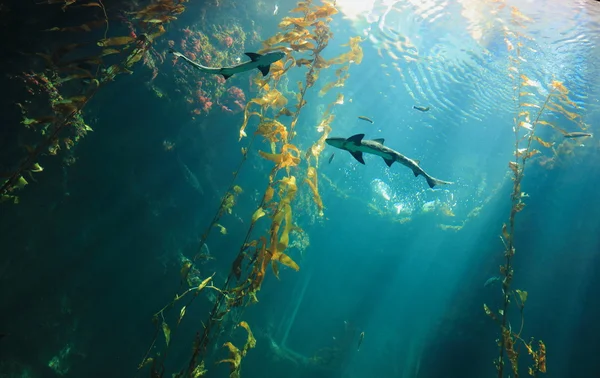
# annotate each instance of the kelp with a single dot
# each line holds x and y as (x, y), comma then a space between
(71, 79)
(277, 116)
(528, 116)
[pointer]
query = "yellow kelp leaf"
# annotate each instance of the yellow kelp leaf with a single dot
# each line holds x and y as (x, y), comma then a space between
(273, 98)
(526, 125)
(557, 85)
(237, 189)
(6, 197)
(302, 46)
(109, 52)
(505, 233)
(205, 282)
(302, 6)
(287, 261)
(185, 269)
(222, 229)
(299, 22)
(181, 315)
(250, 341)
(37, 121)
(235, 357)
(288, 184)
(324, 11)
(36, 168)
(312, 182)
(531, 153)
(276, 158)
(259, 213)
(522, 296)
(542, 142)
(277, 70)
(489, 312)
(528, 105)
(116, 41)
(199, 371)
(275, 269)
(560, 109)
(272, 130)
(284, 240)
(21, 182)
(247, 115)
(355, 55)
(166, 332)
(268, 195)
(514, 167)
(289, 156)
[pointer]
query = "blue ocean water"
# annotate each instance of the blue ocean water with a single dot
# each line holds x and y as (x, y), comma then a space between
(393, 275)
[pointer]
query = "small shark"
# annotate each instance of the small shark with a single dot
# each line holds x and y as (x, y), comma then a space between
(190, 177)
(356, 146)
(262, 62)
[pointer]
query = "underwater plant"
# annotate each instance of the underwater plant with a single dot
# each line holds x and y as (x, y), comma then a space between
(527, 118)
(218, 45)
(71, 77)
(277, 115)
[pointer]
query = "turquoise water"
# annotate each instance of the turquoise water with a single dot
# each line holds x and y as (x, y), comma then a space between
(393, 275)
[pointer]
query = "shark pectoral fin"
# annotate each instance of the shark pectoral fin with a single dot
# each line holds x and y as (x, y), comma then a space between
(227, 76)
(253, 56)
(379, 140)
(389, 162)
(416, 173)
(356, 139)
(264, 69)
(358, 156)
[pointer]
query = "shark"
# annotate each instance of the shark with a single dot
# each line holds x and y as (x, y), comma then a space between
(190, 177)
(356, 145)
(260, 61)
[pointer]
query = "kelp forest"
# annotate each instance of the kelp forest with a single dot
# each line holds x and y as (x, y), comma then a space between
(282, 121)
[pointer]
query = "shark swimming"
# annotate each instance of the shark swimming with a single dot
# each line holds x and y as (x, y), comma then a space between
(260, 61)
(356, 146)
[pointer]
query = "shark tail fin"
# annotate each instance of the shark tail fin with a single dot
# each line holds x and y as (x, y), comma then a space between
(432, 182)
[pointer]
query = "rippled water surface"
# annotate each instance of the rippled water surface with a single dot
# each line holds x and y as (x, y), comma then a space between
(439, 48)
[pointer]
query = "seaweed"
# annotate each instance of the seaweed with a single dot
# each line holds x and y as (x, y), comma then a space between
(278, 112)
(528, 116)
(72, 76)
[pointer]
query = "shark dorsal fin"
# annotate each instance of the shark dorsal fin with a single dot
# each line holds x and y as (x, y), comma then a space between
(356, 139)
(379, 140)
(417, 161)
(253, 56)
(358, 156)
(264, 69)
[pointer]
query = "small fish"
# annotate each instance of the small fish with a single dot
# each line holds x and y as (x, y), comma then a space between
(421, 108)
(331, 157)
(366, 119)
(578, 134)
(276, 10)
(360, 340)
(492, 280)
